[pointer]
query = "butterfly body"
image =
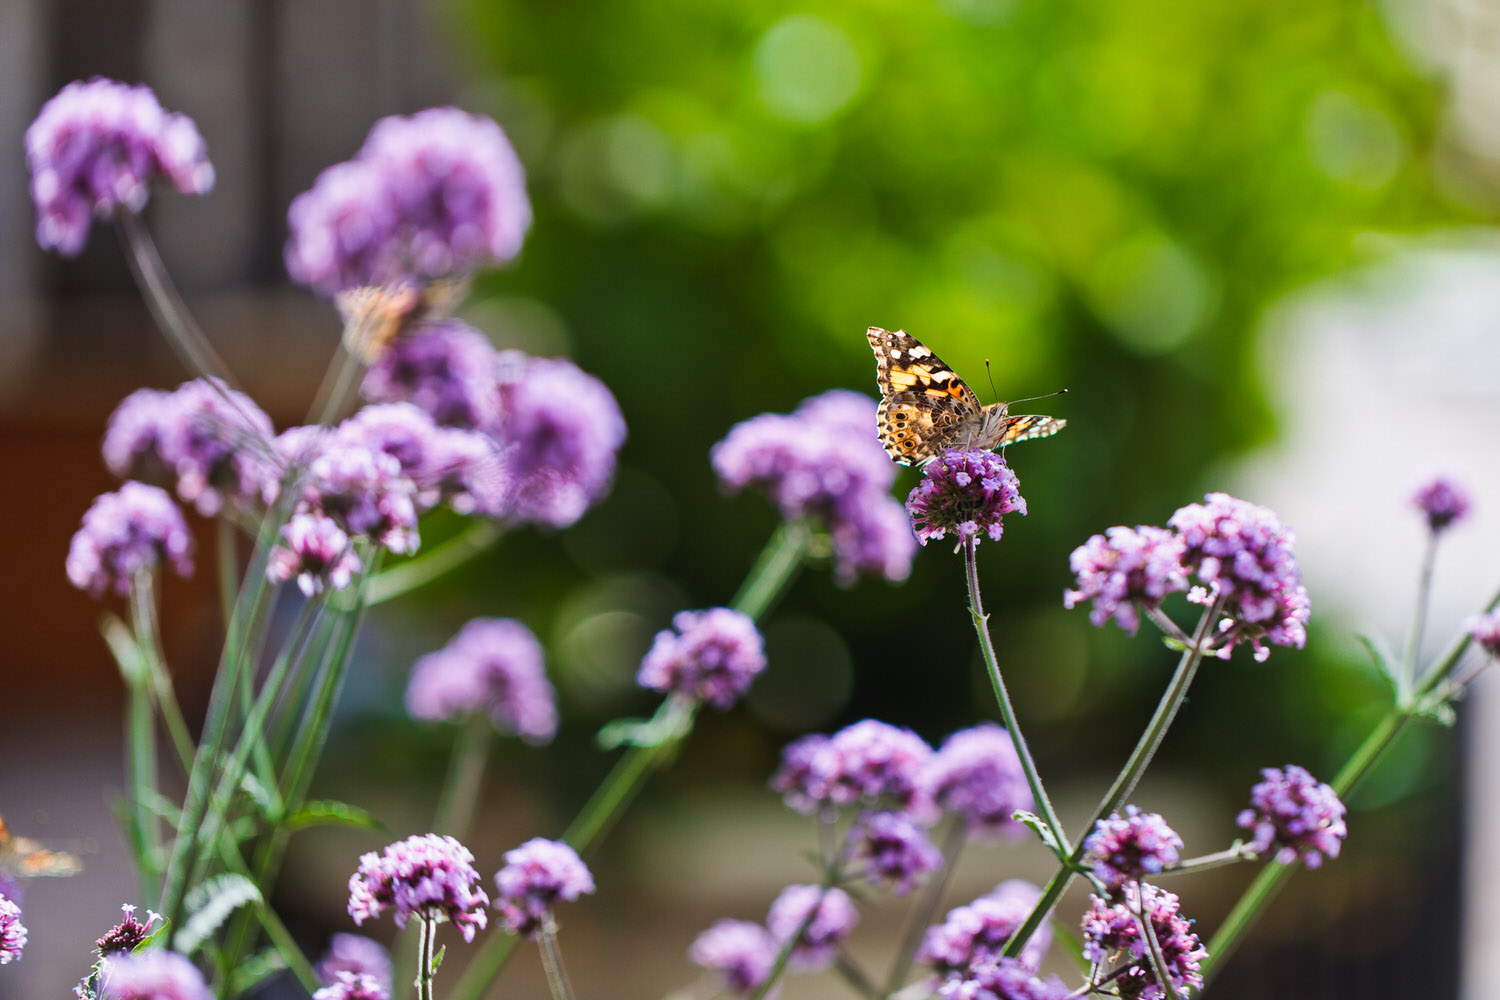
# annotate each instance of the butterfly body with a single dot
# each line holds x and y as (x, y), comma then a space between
(926, 409)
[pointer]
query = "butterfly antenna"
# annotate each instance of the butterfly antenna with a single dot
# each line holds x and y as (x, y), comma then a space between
(994, 393)
(1046, 395)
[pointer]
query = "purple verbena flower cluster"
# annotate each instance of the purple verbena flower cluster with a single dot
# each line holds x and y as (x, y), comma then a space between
(868, 761)
(710, 656)
(822, 462)
(742, 953)
(153, 974)
(1485, 630)
(446, 369)
(1111, 929)
(1295, 816)
(893, 850)
(1125, 567)
(95, 148)
(1443, 502)
(966, 493)
(977, 932)
(353, 986)
(446, 464)
(12, 931)
(538, 875)
(134, 529)
(1127, 848)
(435, 194)
(976, 775)
(833, 917)
(316, 552)
(1003, 979)
(495, 666)
(125, 936)
(356, 954)
(426, 876)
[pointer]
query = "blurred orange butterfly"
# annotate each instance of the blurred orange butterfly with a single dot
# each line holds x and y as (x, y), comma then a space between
(22, 857)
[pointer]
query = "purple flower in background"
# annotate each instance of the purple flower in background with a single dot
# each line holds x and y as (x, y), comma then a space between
(868, 761)
(1127, 848)
(978, 931)
(1111, 929)
(1443, 502)
(872, 537)
(833, 917)
(1485, 630)
(444, 463)
(153, 974)
(365, 492)
(967, 493)
(799, 778)
(1295, 815)
(742, 953)
(134, 529)
(96, 147)
(435, 194)
(1003, 979)
(356, 954)
(977, 776)
(316, 552)
(127, 934)
(12, 931)
(538, 875)
(447, 369)
(1126, 566)
(493, 665)
(561, 429)
(1244, 555)
(894, 850)
(353, 986)
(707, 656)
(427, 876)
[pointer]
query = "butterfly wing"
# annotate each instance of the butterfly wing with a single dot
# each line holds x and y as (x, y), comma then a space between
(915, 427)
(1026, 427)
(904, 364)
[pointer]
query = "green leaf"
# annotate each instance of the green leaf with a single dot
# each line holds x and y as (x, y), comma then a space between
(330, 812)
(210, 903)
(437, 960)
(264, 798)
(1387, 664)
(122, 645)
(1043, 831)
(635, 733)
(254, 970)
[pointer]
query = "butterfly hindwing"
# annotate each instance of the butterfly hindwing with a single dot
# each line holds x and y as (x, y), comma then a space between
(916, 426)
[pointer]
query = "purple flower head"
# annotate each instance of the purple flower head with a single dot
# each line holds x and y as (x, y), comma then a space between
(1111, 929)
(977, 932)
(1295, 815)
(561, 429)
(1003, 979)
(359, 955)
(447, 369)
(353, 986)
(444, 463)
(867, 761)
(977, 776)
(153, 974)
(211, 448)
(1443, 502)
(1485, 630)
(124, 937)
(1125, 566)
(1127, 848)
(365, 491)
(871, 536)
(1243, 554)
(707, 656)
(427, 876)
(538, 875)
(435, 194)
(740, 952)
(833, 917)
(134, 529)
(966, 493)
(800, 777)
(493, 665)
(96, 147)
(12, 931)
(315, 552)
(894, 850)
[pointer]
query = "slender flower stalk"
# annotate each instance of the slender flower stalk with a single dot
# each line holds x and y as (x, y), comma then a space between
(431, 564)
(921, 914)
(557, 976)
(425, 956)
(465, 777)
(1419, 619)
(784, 953)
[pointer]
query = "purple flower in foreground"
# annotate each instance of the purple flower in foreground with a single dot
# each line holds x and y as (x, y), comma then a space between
(1244, 555)
(538, 875)
(740, 952)
(447, 369)
(1295, 815)
(493, 665)
(561, 429)
(1127, 848)
(96, 147)
(353, 986)
(1443, 502)
(127, 934)
(154, 974)
(1111, 929)
(316, 552)
(427, 876)
(967, 493)
(444, 463)
(359, 955)
(1126, 566)
(134, 529)
(977, 932)
(1003, 979)
(894, 850)
(365, 492)
(833, 917)
(12, 931)
(977, 776)
(1485, 630)
(710, 656)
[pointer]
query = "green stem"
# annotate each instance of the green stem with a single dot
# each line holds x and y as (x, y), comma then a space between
(423, 569)
(768, 578)
(465, 777)
(1231, 855)
(140, 773)
(337, 384)
(1154, 955)
(1419, 617)
(229, 566)
(856, 977)
(425, 943)
(1002, 696)
(557, 976)
(921, 914)
(784, 955)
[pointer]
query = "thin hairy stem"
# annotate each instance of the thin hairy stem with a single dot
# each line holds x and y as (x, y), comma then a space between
(425, 943)
(1419, 615)
(557, 976)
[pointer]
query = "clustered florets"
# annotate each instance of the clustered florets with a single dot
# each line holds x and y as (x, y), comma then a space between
(867, 762)
(359, 956)
(1127, 848)
(12, 931)
(1485, 630)
(965, 493)
(977, 932)
(353, 986)
(1443, 502)
(130, 531)
(1002, 979)
(1125, 567)
(493, 666)
(741, 952)
(538, 875)
(829, 914)
(1113, 929)
(1294, 815)
(976, 776)
(152, 974)
(707, 656)
(891, 849)
(427, 876)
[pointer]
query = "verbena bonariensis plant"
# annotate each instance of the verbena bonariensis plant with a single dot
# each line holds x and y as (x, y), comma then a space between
(509, 440)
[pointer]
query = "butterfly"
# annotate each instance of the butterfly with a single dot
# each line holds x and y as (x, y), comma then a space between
(22, 857)
(925, 408)
(375, 315)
